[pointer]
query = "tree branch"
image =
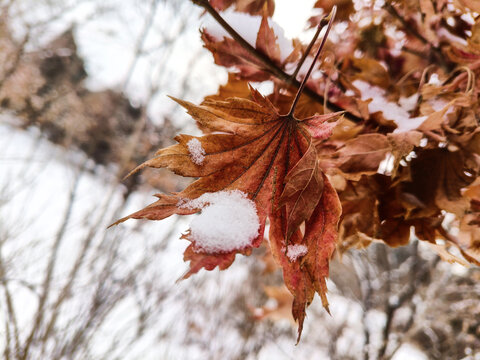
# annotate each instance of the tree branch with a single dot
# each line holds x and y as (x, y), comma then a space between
(270, 66)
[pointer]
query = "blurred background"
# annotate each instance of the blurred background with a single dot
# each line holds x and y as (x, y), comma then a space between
(83, 88)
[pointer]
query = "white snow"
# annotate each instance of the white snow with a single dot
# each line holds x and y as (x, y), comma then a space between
(197, 152)
(391, 110)
(247, 26)
(408, 103)
(228, 221)
(296, 251)
(407, 351)
(434, 80)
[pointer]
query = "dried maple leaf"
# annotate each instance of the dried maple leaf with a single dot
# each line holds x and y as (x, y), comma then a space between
(250, 63)
(437, 177)
(229, 53)
(403, 144)
(362, 155)
(266, 159)
(345, 9)
(233, 88)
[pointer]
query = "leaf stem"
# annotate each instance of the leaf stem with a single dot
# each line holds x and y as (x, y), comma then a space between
(309, 47)
(270, 65)
(324, 39)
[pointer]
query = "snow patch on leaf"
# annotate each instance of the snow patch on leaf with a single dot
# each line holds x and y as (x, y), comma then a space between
(296, 251)
(390, 110)
(197, 152)
(228, 221)
(434, 80)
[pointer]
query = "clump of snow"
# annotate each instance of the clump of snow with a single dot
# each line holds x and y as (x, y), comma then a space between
(197, 152)
(247, 26)
(434, 80)
(408, 103)
(390, 110)
(296, 251)
(228, 221)
(439, 104)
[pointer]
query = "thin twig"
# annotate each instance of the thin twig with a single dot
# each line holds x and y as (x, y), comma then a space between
(11, 318)
(322, 44)
(50, 268)
(308, 49)
(141, 42)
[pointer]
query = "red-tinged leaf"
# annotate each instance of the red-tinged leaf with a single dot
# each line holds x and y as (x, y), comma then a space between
(306, 274)
(165, 206)
(303, 188)
(267, 41)
(320, 126)
(229, 53)
(253, 154)
(296, 279)
(201, 260)
(262, 165)
(321, 235)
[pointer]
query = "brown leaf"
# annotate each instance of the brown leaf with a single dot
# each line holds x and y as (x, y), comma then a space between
(368, 70)
(437, 176)
(345, 7)
(233, 88)
(403, 144)
(471, 4)
(303, 188)
(267, 41)
(306, 276)
(229, 53)
(362, 155)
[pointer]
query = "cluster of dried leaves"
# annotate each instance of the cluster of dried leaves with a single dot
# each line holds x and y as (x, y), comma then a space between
(340, 180)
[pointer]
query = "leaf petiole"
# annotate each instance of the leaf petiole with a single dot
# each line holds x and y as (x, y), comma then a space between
(331, 18)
